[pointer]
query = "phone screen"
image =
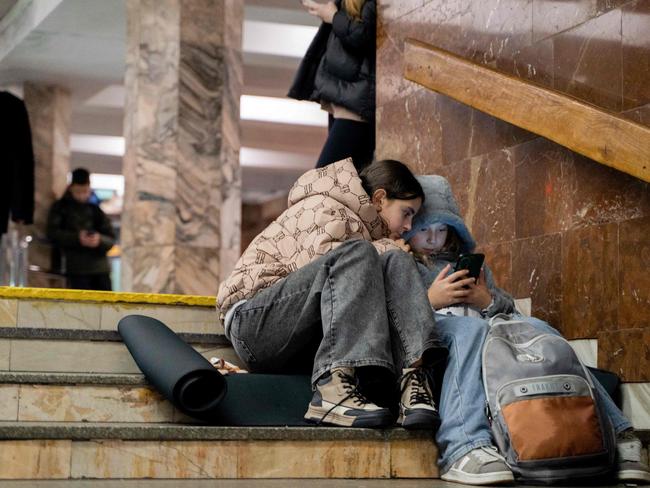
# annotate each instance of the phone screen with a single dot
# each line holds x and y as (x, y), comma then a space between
(472, 262)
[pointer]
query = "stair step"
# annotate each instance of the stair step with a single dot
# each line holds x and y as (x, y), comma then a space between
(197, 432)
(98, 450)
(242, 483)
(91, 352)
(103, 315)
(40, 378)
(98, 335)
(86, 403)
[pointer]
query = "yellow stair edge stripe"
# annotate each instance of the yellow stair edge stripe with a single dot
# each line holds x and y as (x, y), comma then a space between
(106, 296)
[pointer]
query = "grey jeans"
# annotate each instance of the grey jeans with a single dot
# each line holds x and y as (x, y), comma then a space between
(351, 307)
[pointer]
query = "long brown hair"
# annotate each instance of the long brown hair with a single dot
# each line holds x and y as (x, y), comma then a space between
(353, 8)
(453, 244)
(393, 177)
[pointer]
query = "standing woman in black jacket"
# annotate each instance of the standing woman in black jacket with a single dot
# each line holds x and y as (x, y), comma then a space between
(338, 71)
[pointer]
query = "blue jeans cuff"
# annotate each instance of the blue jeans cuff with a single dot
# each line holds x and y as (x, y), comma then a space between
(358, 363)
(622, 426)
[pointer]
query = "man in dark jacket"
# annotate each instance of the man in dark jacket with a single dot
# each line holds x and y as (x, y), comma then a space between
(83, 233)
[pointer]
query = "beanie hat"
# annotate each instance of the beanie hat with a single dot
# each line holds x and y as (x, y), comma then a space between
(80, 176)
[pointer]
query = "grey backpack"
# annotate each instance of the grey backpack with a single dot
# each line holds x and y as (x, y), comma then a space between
(546, 417)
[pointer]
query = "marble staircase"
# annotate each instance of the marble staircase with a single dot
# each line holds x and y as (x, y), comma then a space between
(73, 405)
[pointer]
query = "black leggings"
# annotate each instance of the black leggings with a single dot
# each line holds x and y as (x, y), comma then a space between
(348, 138)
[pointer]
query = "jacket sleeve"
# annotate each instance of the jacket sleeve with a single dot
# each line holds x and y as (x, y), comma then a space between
(106, 232)
(502, 302)
(384, 245)
(331, 228)
(427, 275)
(356, 35)
(55, 232)
(338, 226)
(302, 87)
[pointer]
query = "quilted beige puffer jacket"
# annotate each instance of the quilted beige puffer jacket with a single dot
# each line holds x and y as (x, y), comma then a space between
(327, 206)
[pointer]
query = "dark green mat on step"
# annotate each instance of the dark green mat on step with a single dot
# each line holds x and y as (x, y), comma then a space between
(197, 389)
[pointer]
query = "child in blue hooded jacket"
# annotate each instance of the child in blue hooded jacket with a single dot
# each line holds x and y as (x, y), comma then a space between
(463, 306)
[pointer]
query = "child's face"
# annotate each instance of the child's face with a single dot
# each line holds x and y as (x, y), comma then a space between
(429, 239)
(398, 214)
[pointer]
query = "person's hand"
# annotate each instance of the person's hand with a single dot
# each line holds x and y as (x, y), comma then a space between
(449, 290)
(89, 239)
(402, 244)
(479, 295)
(325, 11)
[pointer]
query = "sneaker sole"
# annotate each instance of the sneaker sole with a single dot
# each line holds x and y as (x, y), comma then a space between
(633, 475)
(380, 418)
(498, 478)
(420, 420)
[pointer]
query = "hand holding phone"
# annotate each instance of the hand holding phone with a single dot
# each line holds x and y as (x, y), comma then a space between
(89, 238)
(449, 288)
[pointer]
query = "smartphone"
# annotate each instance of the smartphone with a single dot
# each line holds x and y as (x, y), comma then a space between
(472, 262)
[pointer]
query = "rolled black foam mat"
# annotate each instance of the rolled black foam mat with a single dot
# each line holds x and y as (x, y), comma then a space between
(197, 389)
(173, 367)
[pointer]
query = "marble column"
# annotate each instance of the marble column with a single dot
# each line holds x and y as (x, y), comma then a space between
(49, 112)
(182, 209)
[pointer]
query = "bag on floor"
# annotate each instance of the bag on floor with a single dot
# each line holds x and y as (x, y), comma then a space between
(546, 417)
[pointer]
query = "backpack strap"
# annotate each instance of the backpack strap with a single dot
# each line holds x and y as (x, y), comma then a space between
(500, 318)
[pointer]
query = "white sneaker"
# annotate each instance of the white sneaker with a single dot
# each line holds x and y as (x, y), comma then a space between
(629, 466)
(481, 466)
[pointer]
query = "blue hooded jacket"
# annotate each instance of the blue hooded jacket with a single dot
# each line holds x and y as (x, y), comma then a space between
(440, 207)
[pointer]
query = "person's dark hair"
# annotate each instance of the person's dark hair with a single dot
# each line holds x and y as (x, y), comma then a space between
(80, 176)
(392, 176)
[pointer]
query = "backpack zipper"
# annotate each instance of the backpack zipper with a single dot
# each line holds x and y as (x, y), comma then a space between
(550, 377)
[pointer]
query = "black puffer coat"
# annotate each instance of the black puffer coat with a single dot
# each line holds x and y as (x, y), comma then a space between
(339, 65)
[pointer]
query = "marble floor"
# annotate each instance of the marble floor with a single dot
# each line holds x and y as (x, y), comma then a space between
(276, 483)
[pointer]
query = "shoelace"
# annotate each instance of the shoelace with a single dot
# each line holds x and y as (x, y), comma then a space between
(351, 386)
(487, 455)
(419, 393)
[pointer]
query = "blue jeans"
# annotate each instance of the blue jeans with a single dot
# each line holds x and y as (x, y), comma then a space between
(464, 424)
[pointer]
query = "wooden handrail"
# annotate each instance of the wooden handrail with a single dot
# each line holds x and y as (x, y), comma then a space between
(603, 136)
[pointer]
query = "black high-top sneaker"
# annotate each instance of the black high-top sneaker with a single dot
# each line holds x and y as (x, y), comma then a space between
(338, 401)
(417, 410)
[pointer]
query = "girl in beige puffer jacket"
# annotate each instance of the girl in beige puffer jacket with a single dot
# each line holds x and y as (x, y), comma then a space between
(328, 287)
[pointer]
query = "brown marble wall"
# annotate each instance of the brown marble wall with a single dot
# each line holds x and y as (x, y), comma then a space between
(571, 234)
(183, 183)
(49, 116)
